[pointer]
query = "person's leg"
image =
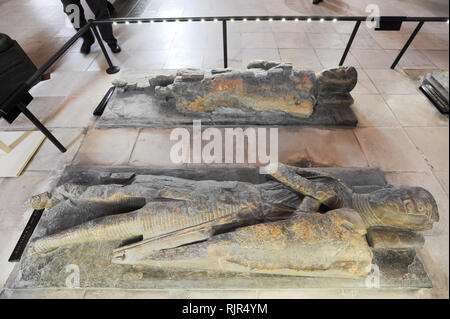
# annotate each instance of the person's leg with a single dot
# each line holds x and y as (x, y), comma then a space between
(82, 19)
(100, 10)
(111, 8)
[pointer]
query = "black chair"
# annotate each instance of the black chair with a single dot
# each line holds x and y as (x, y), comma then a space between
(16, 69)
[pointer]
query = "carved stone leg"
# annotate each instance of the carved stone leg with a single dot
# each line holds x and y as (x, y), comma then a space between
(309, 244)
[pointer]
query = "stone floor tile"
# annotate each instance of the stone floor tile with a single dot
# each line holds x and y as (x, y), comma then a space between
(258, 40)
(433, 28)
(415, 110)
(44, 108)
(443, 179)
(431, 41)
(371, 110)
(392, 82)
(439, 58)
(390, 149)
(154, 59)
(75, 61)
(153, 148)
(75, 111)
(362, 41)
(49, 158)
(186, 58)
(258, 54)
(319, 147)
(433, 142)
(245, 27)
(74, 84)
(214, 59)
(346, 27)
(146, 37)
(292, 40)
(412, 59)
(364, 85)
(390, 40)
(330, 58)
(326, 41)
(15, 192)
(372, 59)
(316, 27)
(438, 248)
(301, 58)
(106, 147)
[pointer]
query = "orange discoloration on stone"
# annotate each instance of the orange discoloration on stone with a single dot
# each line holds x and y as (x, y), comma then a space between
(229, 92)
(228, 85)
(117, 197)
(310, 242)
(304, 83)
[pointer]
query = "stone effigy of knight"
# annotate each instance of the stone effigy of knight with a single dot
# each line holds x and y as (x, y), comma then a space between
(300, 223)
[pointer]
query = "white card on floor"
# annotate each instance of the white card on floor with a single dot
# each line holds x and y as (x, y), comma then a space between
(22, 146)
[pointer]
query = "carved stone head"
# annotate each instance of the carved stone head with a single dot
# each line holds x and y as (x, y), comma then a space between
(404, 207)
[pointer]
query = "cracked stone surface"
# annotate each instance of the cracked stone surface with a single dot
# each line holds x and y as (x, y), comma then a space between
(264, 93)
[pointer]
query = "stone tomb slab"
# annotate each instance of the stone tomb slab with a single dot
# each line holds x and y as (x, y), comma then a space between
(137, 106)
(398, 268)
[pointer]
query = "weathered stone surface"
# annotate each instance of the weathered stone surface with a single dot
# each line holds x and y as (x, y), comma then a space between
(394, 238)
(185, 211)
(219, 71)
(401, 268)
(338, 80)
(279, 95)
(162, 80)
(119, 83)
(278, 89)
(262, 64)
(94, 259)
(123, 86)
(155, 206)
(334, 85)
(309, 244)
(191, 74)
(265, 86)
(404, 207)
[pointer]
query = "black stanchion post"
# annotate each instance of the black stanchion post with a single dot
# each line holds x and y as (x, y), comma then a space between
(225, 44)
(350, 41)
(40, 126)
(407, 44)
(112, 68)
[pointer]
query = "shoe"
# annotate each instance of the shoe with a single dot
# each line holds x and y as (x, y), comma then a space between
(115, 48)
(86, 46)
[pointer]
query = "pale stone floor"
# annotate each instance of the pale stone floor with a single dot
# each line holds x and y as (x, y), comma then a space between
(399, 129)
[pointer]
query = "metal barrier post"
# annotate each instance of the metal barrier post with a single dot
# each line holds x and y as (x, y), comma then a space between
(112, 68)
(407, 44)
(225, 44)
(349, 43)
(41, 127)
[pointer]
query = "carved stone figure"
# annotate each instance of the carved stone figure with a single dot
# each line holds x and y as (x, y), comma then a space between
(307, 244)
(302, 223)
(405, 207)
(264, 86)
(158, 205)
